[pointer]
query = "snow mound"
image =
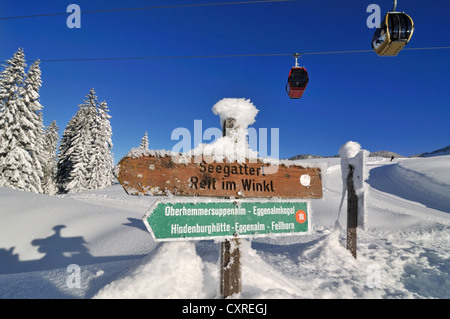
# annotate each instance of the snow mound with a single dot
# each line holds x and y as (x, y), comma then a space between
(173, 270)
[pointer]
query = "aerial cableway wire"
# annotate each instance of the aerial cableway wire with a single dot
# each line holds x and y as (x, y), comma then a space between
(149, 8)
(224, 55)
(192, 56)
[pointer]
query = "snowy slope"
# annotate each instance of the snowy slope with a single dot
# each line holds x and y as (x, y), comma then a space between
(404, 251)
(439, 152)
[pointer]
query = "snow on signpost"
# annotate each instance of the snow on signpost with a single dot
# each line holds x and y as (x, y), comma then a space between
(260, 196)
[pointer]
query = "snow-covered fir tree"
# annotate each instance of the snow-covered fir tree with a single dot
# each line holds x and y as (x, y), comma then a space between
(66, 150)
(75, 145)
(144, 142)
(83, 148)
(33, 83)
(85, 159)
(50, 165)
(101, 163)
(20, 125)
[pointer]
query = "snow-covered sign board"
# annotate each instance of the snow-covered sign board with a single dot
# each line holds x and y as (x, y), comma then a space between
(164, 175)
(196, 220)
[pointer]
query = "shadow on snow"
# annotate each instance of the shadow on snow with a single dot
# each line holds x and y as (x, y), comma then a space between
(59, 252)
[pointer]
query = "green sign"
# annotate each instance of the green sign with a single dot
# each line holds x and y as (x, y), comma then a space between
(168, 221)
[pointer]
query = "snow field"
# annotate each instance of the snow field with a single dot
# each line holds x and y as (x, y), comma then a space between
(403, 252)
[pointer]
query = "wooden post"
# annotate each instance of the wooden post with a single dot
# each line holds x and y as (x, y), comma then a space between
(230, 271)
(352, 212)
(228, 125)
(230, 255)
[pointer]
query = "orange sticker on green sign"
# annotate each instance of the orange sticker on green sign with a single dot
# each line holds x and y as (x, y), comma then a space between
(300, 216)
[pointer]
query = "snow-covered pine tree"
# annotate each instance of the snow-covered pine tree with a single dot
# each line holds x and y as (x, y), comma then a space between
(106, 145)
(77, 147)
(85, 159)
(144, 142)
(101, 172)
(20, 125)
(33, 83)
(66, 150)
(15, 162)
(50, 166)
(77, 180)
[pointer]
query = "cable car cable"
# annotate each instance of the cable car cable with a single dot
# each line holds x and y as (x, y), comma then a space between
(224, 55)
(148, 8)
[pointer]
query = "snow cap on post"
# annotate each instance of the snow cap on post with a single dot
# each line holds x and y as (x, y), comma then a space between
(241, 109)
(349, 150)
(234, 145)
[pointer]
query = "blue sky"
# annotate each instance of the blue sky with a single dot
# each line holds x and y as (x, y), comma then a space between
(392, 103)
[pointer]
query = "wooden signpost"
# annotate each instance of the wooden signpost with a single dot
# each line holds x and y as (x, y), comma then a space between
(245, 209)
(153, 175)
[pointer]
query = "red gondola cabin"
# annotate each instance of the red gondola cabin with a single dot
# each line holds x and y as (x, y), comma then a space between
(297, 81)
